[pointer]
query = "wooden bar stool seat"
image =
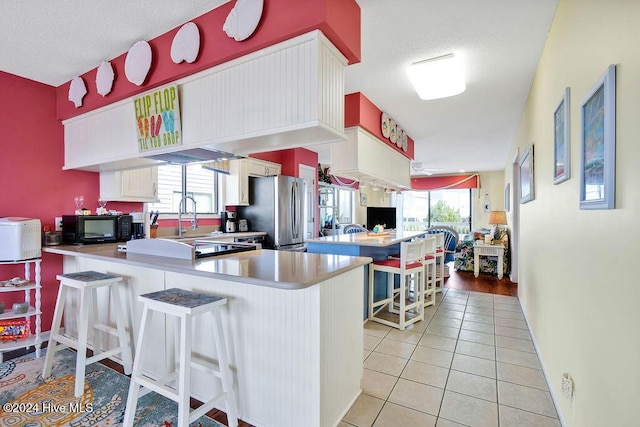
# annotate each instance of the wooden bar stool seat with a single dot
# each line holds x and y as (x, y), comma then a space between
(184, 305)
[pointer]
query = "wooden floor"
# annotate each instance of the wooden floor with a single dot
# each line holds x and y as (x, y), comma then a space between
(461, 280)
(464, 280)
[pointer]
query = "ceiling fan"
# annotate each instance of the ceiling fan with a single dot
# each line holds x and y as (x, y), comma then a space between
(417, 168)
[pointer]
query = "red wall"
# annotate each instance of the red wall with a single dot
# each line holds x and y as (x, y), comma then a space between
(360, 111)
(281, 20)
(34, 184)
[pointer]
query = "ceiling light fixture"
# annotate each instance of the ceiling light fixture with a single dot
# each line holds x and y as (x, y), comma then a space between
(437, 77)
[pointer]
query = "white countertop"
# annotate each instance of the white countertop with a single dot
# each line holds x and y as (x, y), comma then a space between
(367, 239)
(278, 269)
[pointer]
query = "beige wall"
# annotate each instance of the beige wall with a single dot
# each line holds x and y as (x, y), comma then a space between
(578, 282)
(374, 198)
(492, 184)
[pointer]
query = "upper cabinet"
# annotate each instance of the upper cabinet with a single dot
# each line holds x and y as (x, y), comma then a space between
(135, 185)
(257, 167)
(364, 157)
(284, 96)
(237, 182)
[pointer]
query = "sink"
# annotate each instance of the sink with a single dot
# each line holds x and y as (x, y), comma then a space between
(190, 237)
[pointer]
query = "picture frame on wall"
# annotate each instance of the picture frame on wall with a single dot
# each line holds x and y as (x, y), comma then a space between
(527, 188)
(562, 139)
(363, 199)
(598, 144)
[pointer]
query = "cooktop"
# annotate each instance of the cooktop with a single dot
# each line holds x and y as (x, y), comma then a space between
(205, 248)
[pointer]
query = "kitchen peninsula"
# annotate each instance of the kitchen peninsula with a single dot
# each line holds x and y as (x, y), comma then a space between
(293, 321)
(376, 246)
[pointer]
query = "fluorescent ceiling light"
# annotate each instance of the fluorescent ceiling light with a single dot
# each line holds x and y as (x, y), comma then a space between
(437, 77)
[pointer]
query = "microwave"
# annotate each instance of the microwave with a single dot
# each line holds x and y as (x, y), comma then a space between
(78, 229)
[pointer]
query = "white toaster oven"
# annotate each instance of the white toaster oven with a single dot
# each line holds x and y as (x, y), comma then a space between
(21, 239)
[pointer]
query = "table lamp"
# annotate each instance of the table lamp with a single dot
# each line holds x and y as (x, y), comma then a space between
(497, 218)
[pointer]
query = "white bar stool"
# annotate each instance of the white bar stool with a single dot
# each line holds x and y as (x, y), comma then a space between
(430, 254)
(440, 257)
(87, 282)
(184, 305)
(410, 268)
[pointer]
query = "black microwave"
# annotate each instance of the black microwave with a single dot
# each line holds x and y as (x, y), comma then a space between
(96, 228)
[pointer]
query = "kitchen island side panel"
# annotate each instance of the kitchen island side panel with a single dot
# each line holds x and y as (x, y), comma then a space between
(296, 355)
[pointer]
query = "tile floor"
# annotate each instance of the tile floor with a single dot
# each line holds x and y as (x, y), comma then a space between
(471, 362)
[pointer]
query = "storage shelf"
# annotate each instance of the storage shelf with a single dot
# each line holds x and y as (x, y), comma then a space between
(35, 339)
(9, 314)
(30, 285)
(14, 345)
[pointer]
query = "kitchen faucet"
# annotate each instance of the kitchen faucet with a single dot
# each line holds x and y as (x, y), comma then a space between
(194, 222)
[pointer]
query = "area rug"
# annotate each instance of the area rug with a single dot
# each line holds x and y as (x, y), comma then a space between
(29, 401)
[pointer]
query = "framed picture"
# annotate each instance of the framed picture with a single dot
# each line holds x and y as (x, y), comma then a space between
(561, 140)
(507, 197)
(363, 199)
(598, 147)
(527, 193)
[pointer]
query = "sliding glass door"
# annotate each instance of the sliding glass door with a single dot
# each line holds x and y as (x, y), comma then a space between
(422, 209)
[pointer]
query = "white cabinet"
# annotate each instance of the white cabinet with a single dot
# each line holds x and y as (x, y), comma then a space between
(237, 184)
(238, 180)
(26, 285)
(135, 185)
(257, 167)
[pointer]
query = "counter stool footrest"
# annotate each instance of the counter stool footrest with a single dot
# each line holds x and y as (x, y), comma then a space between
(107, 329)
(158, 387)
(206, 366)
(103, 355)
(65, 341)
(206, 407)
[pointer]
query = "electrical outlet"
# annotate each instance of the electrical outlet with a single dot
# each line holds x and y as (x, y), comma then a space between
(58, 223)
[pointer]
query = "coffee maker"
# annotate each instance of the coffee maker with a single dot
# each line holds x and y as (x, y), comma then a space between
(228, 222)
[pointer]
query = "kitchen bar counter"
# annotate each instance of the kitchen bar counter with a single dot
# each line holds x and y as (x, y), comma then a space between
(278, 269)
(364, 245)
(366, 239)
(293, 323)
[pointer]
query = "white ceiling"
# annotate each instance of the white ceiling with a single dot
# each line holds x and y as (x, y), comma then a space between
(498, 41)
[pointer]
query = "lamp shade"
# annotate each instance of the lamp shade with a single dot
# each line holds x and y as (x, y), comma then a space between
(498, 217)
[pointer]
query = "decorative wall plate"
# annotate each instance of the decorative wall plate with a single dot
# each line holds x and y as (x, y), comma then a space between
(399, 133)
(77, 91)
(405, 141)
(384, 125)
(392, 131)
(104, 78)
(243, 19)
(138, 62)
(186, 44)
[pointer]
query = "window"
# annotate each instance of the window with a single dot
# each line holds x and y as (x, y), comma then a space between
(345, 206)
(422, 209)
(176, 181)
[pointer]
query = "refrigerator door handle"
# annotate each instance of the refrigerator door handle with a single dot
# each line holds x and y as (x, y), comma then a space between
(296, 211)
(292, 209)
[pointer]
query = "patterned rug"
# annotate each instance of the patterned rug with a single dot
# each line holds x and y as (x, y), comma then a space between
(29, 401)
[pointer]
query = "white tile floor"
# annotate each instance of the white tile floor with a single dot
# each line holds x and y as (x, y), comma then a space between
(471, 362)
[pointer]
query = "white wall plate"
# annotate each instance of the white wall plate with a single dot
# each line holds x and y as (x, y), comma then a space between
(77, 91)
(186, 44)
(138, 62)
(104, 78)
(243, 19)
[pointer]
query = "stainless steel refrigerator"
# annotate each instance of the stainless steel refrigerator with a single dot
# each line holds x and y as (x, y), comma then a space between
(277, 207)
